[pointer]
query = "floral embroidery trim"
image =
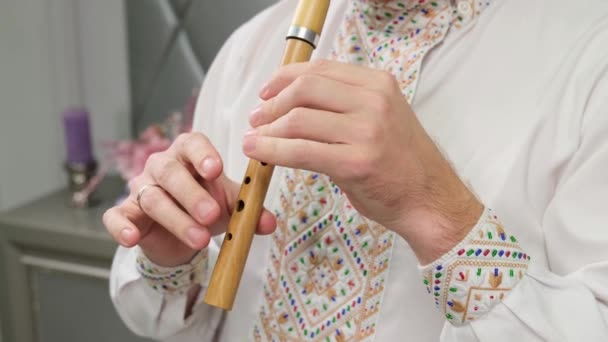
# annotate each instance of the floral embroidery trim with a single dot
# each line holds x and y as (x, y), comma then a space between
(394, 36)
(173, 280)
(469, 280)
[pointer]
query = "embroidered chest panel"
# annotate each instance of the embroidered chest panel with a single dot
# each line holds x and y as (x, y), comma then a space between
(328, 264)
(326, 280)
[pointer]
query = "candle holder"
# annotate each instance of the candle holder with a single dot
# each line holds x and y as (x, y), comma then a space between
(79, 177)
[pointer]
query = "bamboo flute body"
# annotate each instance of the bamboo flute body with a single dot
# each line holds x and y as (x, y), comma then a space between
(223, 285)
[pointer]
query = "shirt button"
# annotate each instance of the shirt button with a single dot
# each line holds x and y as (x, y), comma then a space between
(464, 8)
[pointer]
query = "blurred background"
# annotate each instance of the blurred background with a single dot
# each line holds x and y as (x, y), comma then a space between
(88, 89)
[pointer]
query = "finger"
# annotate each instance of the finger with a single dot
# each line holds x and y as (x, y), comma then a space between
(195, 149)
(310, 91)
(267, 224)
(295, 153)
(310, 124)
(157, 204)
(120, 227)
(342, 72)
(177, 180)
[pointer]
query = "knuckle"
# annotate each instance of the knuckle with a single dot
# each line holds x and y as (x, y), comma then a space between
(386, 78)
(303, 86)
(310, 79)
(319, 66)
(380, 104)
(301, 152)
(154, 161)
(106, 217)
(372, 132)
(272, 109)
(373, 158)
(150, 200)
(313, 80)
(359, 168)
(166, 170)
(280, 74)
(292, 121)
(303, 83)
(342, 173)
(180, 139)
(194, 139)
(133, 184)
(195, 147)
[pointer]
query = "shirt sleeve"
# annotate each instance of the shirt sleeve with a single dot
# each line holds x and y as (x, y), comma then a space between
(468, 281)
(160, 314)
(154, 313)
(565, 299)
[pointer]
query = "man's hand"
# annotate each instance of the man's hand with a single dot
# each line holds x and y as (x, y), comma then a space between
(353, 124)
(191, 202)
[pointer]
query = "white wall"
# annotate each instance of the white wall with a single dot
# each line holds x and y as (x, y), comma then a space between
(55, 54)
(105, 74)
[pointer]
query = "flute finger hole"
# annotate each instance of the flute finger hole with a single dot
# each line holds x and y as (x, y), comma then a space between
(247, 180)
(229, 236)
(240, 205)
(263, 164)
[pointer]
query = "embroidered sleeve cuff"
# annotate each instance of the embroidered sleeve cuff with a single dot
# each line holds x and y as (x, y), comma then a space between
(173, 280)
(478, 273)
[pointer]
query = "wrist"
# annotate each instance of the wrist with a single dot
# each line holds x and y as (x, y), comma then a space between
(444, 211)
(436, 232)
(173, 279)
(164, 259)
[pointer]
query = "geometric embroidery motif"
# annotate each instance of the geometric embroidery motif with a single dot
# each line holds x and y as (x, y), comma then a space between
(394, 36)
(326, 281)
(476, 275)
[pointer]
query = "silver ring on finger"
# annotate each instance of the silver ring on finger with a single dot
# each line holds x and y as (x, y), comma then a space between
(143, 189)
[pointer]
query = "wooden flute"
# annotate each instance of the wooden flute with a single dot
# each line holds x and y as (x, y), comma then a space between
(302, 39)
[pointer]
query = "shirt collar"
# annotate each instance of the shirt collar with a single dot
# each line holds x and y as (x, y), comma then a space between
(380, 11)
(401, 5)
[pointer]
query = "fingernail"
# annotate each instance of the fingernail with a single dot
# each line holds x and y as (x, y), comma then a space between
(126, 234)
(195, 236)
(249, 143)
(207, 165)
(204, 208)
(255, 116)
(265, 90)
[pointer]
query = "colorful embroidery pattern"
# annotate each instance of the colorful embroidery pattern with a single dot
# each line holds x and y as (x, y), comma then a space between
(477, 274)
(173, 280)
(328, 264)
(393, 37)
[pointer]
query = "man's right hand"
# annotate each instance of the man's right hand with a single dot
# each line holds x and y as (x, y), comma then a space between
(192, 201)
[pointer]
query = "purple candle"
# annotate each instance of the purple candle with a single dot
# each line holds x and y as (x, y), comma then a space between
(77, 135)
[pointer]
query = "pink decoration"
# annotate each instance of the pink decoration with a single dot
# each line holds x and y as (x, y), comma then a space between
(130, 156)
